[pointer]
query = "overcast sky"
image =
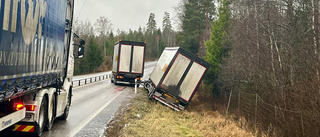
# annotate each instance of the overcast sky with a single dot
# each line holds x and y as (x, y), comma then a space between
(125, 14)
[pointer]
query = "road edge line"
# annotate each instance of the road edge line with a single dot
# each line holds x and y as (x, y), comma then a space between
(86, 121)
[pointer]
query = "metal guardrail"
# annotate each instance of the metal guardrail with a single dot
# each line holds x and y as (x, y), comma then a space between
(77, 83)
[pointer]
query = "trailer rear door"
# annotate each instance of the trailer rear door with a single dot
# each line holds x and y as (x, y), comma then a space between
(137, 59)
(124, 58)
(191, 80)
(171, 81)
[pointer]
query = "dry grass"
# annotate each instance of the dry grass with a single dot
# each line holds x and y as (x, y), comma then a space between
(144, 118)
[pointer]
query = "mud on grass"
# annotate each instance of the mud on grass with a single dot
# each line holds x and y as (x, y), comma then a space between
(142, 118)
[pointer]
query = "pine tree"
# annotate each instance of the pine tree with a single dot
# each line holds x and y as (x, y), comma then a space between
(218, 45)
(110, 44)
(151, 25)
(151, 37)
(140, 35)
(196, 14)
(166, 23)
(168, 33)
(95, 56)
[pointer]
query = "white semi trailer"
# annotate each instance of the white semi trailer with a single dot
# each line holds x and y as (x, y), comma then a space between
(128, 61)
(176, 77)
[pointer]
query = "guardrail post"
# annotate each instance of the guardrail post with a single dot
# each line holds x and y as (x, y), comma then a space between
(90, 80)
(85, 81)
(135, 86)
(79, 82)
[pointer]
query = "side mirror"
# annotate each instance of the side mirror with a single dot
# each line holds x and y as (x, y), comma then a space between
(81, 52)
(81, 49)
(82, 42)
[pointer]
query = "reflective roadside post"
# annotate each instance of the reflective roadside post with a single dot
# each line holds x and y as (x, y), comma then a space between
(135, 86)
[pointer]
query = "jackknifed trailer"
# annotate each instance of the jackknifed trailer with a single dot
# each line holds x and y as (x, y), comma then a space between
(175, 78)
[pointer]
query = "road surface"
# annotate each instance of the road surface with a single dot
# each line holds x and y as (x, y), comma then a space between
(93, 105)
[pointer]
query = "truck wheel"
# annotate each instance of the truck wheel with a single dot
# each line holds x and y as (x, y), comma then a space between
(42, 118)
(146, 85)
(115, 80)
(112, 81)
(66, 110)
(52, 108)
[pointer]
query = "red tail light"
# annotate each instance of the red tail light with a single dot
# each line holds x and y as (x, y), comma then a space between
(18, 106)
(30, 107)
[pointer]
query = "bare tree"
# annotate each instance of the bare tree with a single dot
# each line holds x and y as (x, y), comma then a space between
(103, 27)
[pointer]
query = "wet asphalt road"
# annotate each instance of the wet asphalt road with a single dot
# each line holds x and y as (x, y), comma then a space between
(93, 105)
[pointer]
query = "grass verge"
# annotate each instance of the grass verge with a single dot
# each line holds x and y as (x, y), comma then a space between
(141, 117)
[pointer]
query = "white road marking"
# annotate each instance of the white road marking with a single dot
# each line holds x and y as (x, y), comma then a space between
(86, 121)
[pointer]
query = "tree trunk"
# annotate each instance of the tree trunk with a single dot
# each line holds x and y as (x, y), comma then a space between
(274, 80)
(315, 26)
(257, 32)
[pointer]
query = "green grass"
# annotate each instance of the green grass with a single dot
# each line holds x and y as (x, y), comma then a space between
(145, 118)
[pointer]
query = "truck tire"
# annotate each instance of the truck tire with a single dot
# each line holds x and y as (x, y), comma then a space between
(42, 118)
(53, 109)
(66, 110)
(146, 85)
(112, 81)
(115, 80)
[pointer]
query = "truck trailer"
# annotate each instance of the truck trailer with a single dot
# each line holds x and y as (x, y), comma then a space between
(37, 53)
(128, 62)
(175, 78)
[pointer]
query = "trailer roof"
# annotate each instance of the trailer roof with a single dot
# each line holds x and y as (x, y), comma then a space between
(131, 42)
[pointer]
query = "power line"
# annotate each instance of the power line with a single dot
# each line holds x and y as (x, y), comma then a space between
(81, 10)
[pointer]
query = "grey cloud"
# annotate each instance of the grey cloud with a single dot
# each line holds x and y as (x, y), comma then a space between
(125, 14)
